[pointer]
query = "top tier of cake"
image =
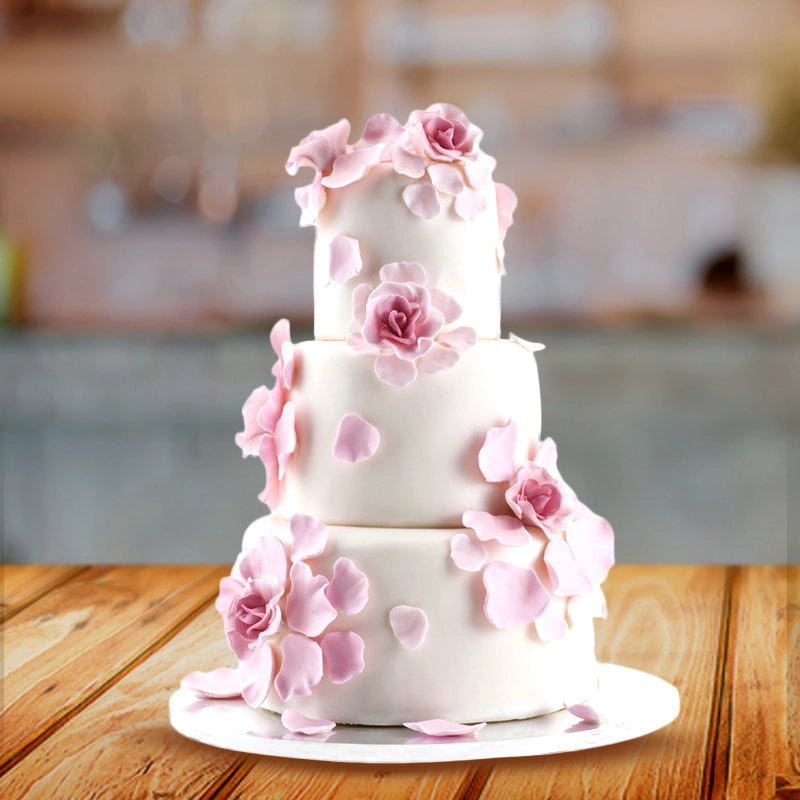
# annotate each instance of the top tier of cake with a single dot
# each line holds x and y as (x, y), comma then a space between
(420, 193)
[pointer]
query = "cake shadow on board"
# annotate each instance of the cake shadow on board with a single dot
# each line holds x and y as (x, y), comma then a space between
(424, 562)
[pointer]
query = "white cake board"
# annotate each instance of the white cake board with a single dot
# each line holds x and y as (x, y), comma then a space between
(631, 704)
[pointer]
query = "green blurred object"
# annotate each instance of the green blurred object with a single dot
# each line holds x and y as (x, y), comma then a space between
(11, 281)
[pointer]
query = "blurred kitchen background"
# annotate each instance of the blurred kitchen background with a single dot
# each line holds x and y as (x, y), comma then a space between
(149, 239)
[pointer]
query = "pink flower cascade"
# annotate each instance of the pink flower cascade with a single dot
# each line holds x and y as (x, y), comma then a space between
(437, 148)
(407, 325)
(580, 543)
(269, 418)
(278, 615)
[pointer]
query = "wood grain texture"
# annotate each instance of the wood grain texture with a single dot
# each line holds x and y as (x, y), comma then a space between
(751, 757)
(75, 641)
(22, 584)
(122, 746)
(666, 621)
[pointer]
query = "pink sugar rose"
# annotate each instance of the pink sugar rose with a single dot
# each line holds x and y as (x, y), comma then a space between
(444, 133)
(269, 420)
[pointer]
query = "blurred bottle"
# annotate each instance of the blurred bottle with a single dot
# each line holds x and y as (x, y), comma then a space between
(12, 280)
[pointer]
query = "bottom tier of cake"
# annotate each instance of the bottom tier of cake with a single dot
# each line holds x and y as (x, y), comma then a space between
(383, 626)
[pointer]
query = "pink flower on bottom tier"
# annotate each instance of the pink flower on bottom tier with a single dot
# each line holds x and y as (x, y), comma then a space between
(269, 419)
(278, 614)
(403, 323)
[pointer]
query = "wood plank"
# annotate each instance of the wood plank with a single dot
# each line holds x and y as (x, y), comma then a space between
(666, 621)
(22, 584)
(789, 785)
(753, 748)
(77, 640)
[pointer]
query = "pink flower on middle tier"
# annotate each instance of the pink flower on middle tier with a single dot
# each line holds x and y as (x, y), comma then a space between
(403, 323)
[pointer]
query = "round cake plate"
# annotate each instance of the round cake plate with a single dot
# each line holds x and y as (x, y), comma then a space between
(631, 704)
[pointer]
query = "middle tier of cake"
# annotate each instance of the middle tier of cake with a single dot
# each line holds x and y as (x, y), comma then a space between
(424, 470)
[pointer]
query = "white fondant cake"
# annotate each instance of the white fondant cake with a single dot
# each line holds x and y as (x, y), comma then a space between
(425, 562)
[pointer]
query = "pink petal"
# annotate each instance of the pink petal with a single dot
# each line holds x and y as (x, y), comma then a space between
(295, 722)
(356, 341)
(479, 172)
(269, 458)
(531, 347)
(319, 147)
(582, 606)
(255, 675)
(301, 667)
(506, 205)
(360, 295)
(514, 595)
(395, 371)
(309, 537)
(381, 128)
(403, 272)
(503, 528)
(422, 199)
(407, 163)
(447, 304)
(345, 258)
(279, 335)
(219, 683)
(352, 166)
(344, 655)
(496, 457)
(551, 626)
(249, 438)
(308, 609)
(311, 199)
(441, 727)
(585, 712)
(591, 540)
(438, 358)
(566, 576)
(229, 589)
(285, 438)
(446, 178)
(356, 439)
(266, 560)
(460, 339)
(467, 554)
(469, 204)
(409, 625)
(348, 589)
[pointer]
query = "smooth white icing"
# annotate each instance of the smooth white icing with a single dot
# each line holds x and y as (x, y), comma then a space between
(424, 472)
(459, 256)
(464, 670)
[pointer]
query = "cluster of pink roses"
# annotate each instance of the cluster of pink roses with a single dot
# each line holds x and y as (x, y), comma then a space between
(269, 418)
(437, 148)
(403, 324)
(580, 543)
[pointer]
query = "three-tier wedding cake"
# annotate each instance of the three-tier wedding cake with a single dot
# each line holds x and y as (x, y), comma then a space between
(424, 563)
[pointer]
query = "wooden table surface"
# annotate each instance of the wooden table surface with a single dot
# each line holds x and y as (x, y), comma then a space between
(92, 655)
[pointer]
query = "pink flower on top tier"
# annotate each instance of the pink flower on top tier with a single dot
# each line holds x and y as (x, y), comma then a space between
(277, 613)
(269, 419)
(444, 133)
(404, 324)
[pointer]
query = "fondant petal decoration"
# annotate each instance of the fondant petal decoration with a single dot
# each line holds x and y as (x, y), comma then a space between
(403, 272)
(422, 199)
(360, 295)
(460, 339)
(343, 652)
(503, 528)
(407, 163)
(531, 347)
(319, 148)
(514, 595)
(220, 684)
(409, 625)
(438, 358)
(308, 609)
(348, 589)
(496, 457)
(469, 204)
(285, 438)
(446, 178)
(466, 553)
(442, 727)
(255, 675)
(345, 258)
(356, 439)
(381, 128)
(395, 371)
(309, 537)
(479, 172)
(591, 540)
(551, 625)
(350, 167)
(301, 667)
(585, 712)
(447, 304)
(566, 576)
(295, 722)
